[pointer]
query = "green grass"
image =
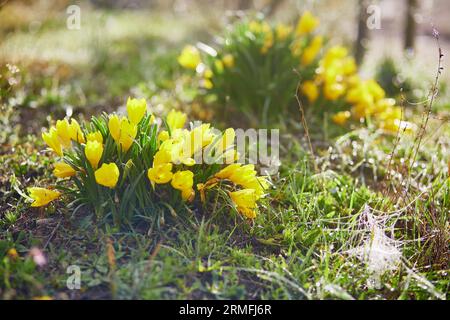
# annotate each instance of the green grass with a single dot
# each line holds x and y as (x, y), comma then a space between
(297, 247)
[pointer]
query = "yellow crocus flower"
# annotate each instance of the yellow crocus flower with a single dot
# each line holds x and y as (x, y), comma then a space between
(188, 194)
(208, 74)
(51, 138)
(161, 157)
(268, 42)
(207, 84)
(282, 31)
(375, 89)
(228, 60)
(255, 26)
(226, 172)
(63, 170)
(114, 127)
(341, 117)
(163, 136)
(176, 119)
(182, 180)
(107, 175)
(93, 152)
(189, 57)
(245, 201)
(136, 109)
(63, 129)
(309, 88)
(312, 50)
(95, 136)
(306, 24)
(128, 132)
(259, 184)
(333, 91)
(75, 132)
(200, 137)
(160, 174)
(122, 131)
(42, 196)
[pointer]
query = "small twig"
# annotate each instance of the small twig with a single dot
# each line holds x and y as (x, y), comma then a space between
(52, 234)
(305, 125)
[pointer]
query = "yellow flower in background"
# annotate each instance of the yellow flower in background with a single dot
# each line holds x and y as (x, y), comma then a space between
(306, 24)
(122, 131)
(207, 84)
(228, 60)
(95, 136)
(12, 253)
(189, 57)
(341, 117)
(245, 201)
(333, 91)
(42, 196)
(93, 152)
(312, 50)
(397, 125)
(282, 31)
(375, 89)
(76, 134)
(360, 95)
(349, 66)
(63, 170)
(176, 119)
(208, 74)
(383, 105)
(360, 111)
(160, 174)
(255, 26)
(136, 109)
(107, 175)
(333, 55)
(268, 42)
(309, 88)
(63, 129)
(219, 65)
(51, 138)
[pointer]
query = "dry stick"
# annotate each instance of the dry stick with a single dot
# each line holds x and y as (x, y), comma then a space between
(391, 156)
(427, 114)
(434, 90)
(305, 126)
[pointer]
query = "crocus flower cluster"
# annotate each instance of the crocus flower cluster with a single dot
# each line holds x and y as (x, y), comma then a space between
(253, 69)
(119, 164)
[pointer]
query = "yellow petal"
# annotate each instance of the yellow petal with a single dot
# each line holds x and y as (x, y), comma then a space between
(107, 175)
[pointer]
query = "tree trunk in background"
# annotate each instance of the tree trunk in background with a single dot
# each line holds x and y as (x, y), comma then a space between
(244, 4)
(410, 26)
(363, 32)
(273, 6)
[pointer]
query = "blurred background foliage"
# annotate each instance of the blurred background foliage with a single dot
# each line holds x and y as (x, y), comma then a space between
(130, 46)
